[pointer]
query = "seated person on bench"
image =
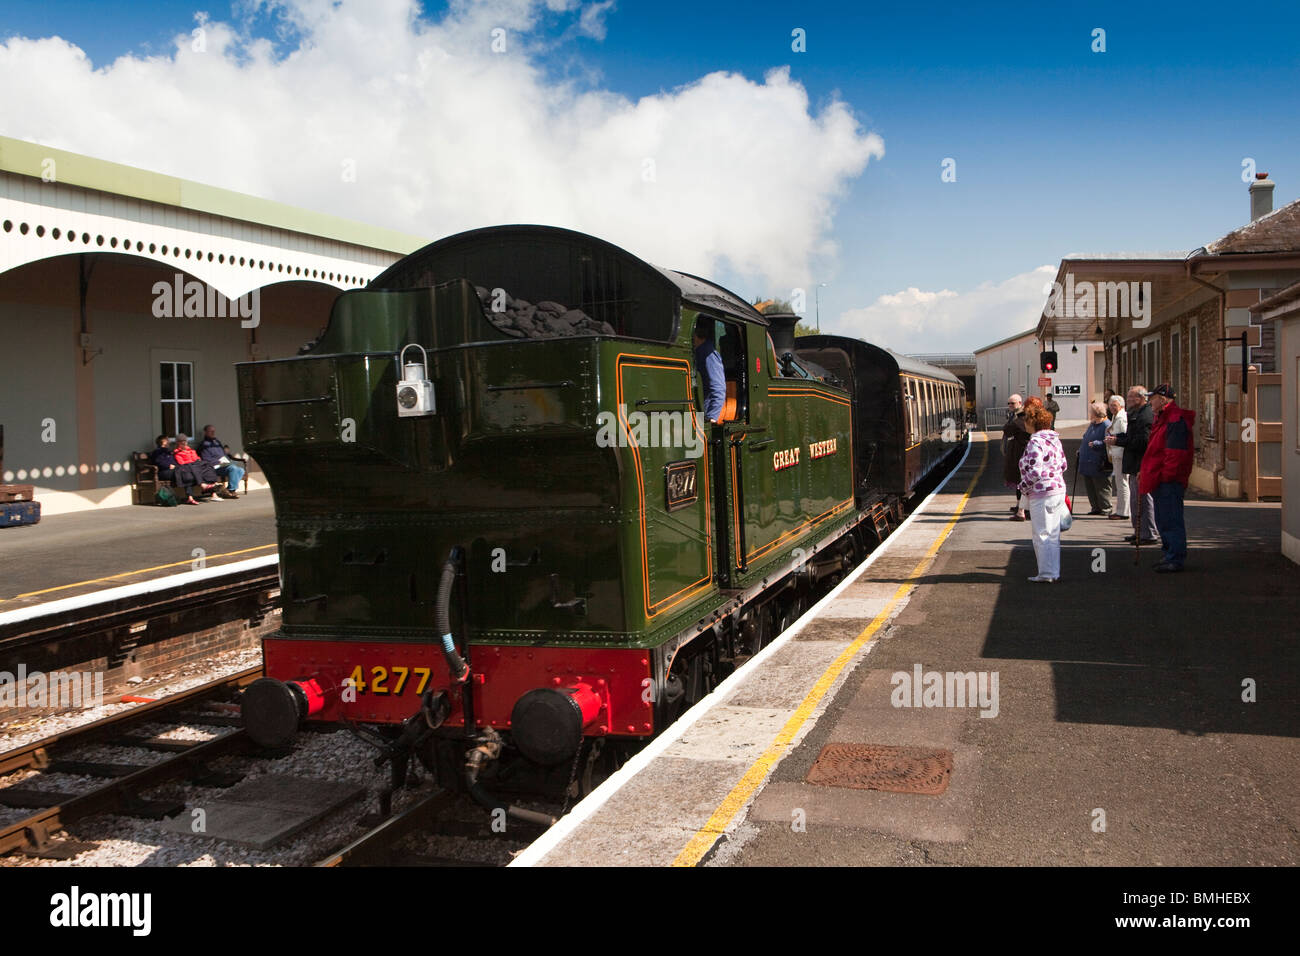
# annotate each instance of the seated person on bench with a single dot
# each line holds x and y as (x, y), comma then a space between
(165, 462)
(213, 450)
(193, 470)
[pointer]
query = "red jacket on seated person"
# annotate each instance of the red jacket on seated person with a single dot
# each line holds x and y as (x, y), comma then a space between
(1171, 449)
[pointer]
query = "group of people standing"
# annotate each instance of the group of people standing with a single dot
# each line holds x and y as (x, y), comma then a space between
(197, 471)
(1137, 453)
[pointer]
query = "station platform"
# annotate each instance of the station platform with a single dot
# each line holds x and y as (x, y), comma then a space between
(1137, 718)
(68, 555)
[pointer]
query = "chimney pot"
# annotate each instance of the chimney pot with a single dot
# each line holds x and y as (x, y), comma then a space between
(1261, 196)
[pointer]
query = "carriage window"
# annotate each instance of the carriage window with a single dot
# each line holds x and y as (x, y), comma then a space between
(913, 411)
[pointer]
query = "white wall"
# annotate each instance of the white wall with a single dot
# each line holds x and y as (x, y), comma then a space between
(1015, 367)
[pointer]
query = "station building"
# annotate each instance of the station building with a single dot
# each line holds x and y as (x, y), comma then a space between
(1191, 319)
(1283, 310)
(127, 297)
(1012, 366)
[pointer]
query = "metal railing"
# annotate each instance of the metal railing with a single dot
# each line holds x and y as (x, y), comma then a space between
(994, 419)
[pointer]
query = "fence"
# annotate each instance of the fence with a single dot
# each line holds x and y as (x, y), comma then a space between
(994, 419)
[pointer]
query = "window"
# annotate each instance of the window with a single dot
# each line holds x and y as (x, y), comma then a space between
(176, 381)
(1151, 361)
(1190, 400)
(913, 411)
(1176, 363)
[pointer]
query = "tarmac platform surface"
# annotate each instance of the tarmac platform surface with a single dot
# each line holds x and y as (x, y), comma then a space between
(73, 554)
(1140, 718)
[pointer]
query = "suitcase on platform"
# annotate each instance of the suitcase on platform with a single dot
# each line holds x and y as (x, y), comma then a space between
(17, 492)
(19, 513)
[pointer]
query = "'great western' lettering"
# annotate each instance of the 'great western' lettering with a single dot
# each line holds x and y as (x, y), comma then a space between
(820, 449)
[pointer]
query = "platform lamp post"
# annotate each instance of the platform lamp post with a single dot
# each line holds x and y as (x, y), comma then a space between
(817, 298)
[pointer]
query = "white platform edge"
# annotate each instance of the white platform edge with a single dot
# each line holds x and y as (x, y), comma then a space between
(33, 611)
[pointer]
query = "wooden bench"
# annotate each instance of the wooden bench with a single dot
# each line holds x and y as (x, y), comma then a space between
(145, 481)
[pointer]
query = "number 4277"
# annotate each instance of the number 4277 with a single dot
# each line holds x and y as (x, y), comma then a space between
(380, 678)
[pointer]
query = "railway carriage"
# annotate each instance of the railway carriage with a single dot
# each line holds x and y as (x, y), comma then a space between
(505, 528)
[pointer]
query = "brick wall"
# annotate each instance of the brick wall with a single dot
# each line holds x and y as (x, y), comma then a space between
(160, 658)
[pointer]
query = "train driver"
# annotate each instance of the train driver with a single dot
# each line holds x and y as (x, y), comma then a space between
(709, 362)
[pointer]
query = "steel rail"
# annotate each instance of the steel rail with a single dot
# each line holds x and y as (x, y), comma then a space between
(36, 754)
(33, 832)
(370, 848)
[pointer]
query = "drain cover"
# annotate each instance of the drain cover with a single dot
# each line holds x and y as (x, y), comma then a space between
(877, 767)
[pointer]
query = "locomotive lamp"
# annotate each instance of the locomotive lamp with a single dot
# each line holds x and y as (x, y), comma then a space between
(414, 391)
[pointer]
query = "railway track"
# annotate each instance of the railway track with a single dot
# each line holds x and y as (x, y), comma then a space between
(54, 810)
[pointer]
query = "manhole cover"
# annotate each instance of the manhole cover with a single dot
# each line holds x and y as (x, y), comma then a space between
(877, 767)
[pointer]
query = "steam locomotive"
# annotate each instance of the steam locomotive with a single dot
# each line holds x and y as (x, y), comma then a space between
(511, 544)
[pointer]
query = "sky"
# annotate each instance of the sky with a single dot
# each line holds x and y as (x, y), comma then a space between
(929, 165)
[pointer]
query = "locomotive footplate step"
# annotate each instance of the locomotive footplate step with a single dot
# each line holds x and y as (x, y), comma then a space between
(266, 810)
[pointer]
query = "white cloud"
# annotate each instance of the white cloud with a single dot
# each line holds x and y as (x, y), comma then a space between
(448, 135)
(948, 321)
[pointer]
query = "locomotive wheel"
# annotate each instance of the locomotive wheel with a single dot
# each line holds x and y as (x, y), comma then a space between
(792, 611)
(763, 632)
(603, 758)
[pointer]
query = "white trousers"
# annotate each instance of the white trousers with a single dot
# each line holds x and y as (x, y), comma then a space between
(1118, 480)
(1046, 523)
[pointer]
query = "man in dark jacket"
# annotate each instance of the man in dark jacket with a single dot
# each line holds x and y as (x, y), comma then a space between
(214, 451)
(165, 461)
(1166, 466)
(1015, 436)
(1052, 406)
(1134, 442)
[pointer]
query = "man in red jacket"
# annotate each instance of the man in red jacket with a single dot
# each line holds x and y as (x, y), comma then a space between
(1166, 466)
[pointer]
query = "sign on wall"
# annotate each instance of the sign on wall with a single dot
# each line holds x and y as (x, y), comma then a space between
(1067, 389)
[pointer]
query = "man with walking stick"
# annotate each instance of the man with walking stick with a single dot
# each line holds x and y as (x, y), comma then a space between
(1134, 442)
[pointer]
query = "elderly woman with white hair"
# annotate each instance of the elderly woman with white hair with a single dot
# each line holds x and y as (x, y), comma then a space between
(1093, 460)
(1118, 425)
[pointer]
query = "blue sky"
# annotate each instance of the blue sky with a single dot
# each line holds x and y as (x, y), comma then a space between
(1058, 149)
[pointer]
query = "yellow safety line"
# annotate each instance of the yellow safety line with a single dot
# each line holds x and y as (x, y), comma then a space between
(127, 574)
(704, 839)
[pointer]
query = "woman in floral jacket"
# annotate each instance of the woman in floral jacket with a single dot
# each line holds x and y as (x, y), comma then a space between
(1042, 481)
